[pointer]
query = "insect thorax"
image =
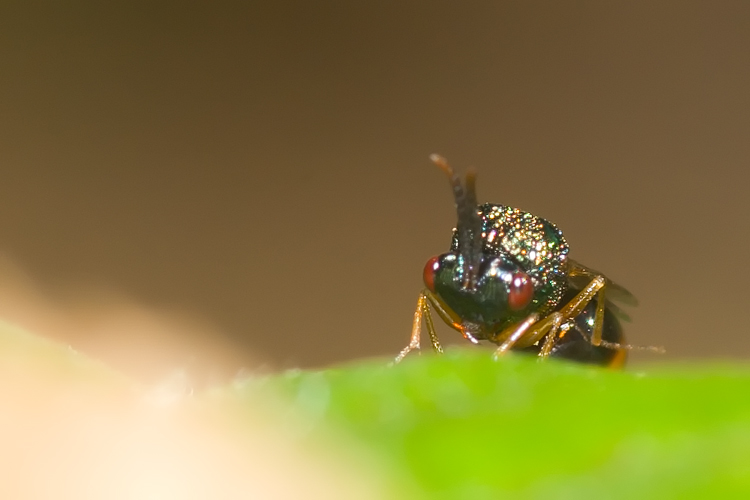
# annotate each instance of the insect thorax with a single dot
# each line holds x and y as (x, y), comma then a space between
(536, 244)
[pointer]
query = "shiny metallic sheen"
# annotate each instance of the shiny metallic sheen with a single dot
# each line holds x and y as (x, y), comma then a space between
(536, 244)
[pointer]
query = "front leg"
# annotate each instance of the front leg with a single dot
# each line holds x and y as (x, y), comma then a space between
(422, 311)
(513, 334)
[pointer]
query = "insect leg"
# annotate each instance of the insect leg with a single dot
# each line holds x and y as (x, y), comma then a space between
(617, 346)
(422, 311)
(512, 336)
(428, 321)
(572, 309)
(552, 337)
(450, 319)
(596, 337)
(416, 329)
(579, 302)
(601, 303)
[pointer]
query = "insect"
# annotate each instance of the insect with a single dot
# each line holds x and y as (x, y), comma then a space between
(507, 279)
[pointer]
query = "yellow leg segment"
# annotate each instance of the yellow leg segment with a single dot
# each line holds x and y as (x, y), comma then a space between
(550, 326)
(512, 336)
(422, 311)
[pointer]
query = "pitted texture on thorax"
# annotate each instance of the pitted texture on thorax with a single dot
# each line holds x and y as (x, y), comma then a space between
(535, 243)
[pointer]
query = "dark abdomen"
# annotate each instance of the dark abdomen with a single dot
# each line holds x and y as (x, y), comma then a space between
(575, 347)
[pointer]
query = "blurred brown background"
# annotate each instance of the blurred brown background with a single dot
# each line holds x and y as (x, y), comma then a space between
(263, 168)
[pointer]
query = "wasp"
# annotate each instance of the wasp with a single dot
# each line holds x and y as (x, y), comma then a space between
(508, 279)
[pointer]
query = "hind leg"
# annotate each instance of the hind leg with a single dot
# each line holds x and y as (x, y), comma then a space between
(573, 308)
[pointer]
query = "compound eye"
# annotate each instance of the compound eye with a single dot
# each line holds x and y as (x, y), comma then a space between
(521, 291)
(429, 273)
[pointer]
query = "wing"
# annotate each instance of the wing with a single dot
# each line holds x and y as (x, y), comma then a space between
(617, 296)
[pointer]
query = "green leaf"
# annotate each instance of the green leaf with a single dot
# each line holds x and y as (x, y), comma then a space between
(456, 426)
(463, 426)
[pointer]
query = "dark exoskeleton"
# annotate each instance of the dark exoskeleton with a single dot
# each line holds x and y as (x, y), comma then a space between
(507, 279)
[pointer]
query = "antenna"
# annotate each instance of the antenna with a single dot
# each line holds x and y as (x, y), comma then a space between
(469, 225)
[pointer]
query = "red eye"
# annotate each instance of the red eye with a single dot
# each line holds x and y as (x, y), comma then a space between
(521, 291)
(429, 273)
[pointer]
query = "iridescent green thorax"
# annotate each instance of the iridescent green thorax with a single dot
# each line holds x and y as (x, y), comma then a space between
(536, 244)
